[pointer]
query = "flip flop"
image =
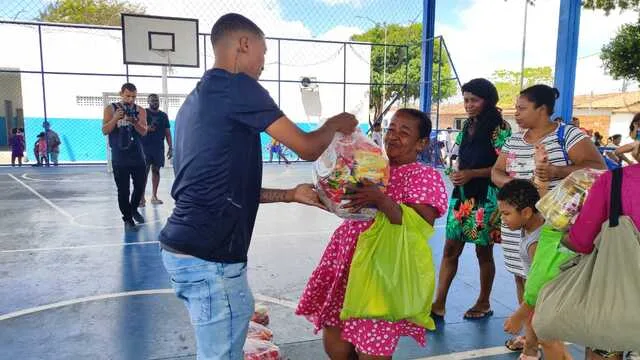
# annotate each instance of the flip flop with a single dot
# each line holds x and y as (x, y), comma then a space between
(156, 202)
(515, 343)
(484, 314)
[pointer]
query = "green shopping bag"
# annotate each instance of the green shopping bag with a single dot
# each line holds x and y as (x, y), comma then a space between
(550, 255)
(392, 276)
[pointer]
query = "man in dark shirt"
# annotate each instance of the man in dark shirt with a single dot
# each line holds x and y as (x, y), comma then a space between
(158, 129)
(218, 185)
(125, 123)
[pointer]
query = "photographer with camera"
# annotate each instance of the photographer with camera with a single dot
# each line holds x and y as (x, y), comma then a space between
(125, 123)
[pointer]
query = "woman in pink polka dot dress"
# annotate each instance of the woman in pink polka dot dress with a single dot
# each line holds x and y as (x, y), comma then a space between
(413, 184)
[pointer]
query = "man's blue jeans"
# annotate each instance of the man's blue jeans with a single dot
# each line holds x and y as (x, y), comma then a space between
(219, 301)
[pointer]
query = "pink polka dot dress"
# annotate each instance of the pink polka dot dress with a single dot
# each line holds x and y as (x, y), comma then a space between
(323, 296)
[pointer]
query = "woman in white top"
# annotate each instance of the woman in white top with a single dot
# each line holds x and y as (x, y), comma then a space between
(568, 149)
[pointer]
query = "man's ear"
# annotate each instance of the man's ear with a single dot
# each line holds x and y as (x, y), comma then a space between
(243, 44)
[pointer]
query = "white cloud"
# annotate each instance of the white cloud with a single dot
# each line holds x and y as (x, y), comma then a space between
(341, 33)
(490, 38)
(354, 3)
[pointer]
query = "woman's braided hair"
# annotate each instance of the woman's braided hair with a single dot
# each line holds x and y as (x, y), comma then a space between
(520, 194)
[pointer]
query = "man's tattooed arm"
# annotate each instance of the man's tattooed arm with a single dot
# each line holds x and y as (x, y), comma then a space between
(273, 195)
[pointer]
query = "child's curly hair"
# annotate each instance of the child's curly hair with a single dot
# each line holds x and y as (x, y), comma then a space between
(520, 194)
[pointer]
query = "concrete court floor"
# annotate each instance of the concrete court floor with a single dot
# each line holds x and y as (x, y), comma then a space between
(75, 286)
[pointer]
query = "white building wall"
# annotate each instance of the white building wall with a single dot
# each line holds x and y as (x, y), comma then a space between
(100, 51)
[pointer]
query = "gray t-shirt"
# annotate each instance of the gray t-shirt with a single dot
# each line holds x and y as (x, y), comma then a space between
(528, 239)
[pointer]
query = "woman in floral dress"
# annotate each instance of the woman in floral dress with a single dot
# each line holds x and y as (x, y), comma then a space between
(473, 215)
(411, 183)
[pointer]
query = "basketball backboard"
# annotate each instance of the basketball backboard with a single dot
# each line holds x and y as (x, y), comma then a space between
(157, 40)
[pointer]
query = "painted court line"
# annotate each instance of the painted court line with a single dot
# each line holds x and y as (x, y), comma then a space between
(77, 247)
(471, 354)
(60, 304)
(47, 201)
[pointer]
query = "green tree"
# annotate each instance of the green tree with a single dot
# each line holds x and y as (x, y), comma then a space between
(608, 5)
(621, 57)
(508, 82)
(403, 65)
(95, 12)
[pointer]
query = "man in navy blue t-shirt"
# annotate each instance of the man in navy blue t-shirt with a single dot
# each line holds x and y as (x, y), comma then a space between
(158, 129)
(218, 184)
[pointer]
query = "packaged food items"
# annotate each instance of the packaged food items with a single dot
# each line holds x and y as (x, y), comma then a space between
(261, 350)
(261, 315)
(259, 332)
(560, 205)
(348, 161)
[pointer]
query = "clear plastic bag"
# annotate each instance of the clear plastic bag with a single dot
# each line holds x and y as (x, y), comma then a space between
(259, 332)
(261, 315)
(560, 205)
(349, 160)
(261, 350)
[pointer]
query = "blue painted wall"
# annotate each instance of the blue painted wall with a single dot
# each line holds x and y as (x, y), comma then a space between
(82, 139)
(4, 141)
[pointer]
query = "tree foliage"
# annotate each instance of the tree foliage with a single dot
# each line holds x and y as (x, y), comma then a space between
(403, 65)
(608, 5)
(508, 82)
(94, 12)
(621, 57)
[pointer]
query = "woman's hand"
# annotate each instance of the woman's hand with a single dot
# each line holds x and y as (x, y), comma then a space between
(366, 195)
(546, 172)
(460, 178)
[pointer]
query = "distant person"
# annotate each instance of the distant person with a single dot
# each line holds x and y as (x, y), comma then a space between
(276, 148)
(218, 185)
(597, 139)
(613, 144)
(125, 123)
(376, 134)
(41, 150)
(53, 144)
(158, 129)
(17, 144)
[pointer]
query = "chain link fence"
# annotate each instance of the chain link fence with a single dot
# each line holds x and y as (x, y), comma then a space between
(66, 74)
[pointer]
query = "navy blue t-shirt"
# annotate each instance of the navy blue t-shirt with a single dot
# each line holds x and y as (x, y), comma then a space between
(153, 142)
(125, 142)
(218, 167)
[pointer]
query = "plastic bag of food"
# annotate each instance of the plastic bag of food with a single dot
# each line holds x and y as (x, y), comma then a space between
(261, 315)
(259, 332)
(560, 205)
(261, 350)
(349, 160)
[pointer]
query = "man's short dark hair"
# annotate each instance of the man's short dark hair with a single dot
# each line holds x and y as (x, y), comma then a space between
(232, 22)
(153, 95)
(128, 86)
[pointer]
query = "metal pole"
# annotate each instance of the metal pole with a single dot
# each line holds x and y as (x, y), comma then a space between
(524, 44)
(165, 89)
(127, 72)
(384, 65)
(279, 82)
(344, 81)
(567, 57)
(204, 41)
(428, 30)
(439, 80)
(406, 75)
(44, 92)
